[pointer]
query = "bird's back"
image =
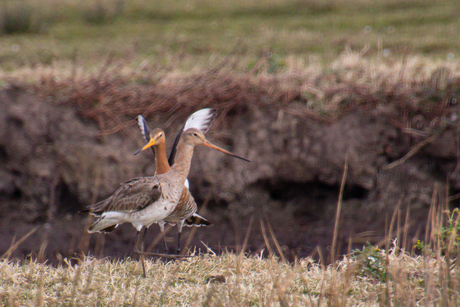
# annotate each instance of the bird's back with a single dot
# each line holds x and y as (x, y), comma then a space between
(133, 195)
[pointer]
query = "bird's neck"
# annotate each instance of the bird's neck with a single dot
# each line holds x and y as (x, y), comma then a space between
(161, 161)
(181, 166)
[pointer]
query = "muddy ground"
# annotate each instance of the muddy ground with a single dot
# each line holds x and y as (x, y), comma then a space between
(55, 160)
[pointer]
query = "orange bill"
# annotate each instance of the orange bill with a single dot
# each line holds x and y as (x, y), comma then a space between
(149, 144)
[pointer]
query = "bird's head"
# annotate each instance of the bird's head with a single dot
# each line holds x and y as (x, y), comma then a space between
(157, 137)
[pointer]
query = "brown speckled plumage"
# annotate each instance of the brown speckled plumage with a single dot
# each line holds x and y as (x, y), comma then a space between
(187, 206)
(141, 201)
(133, 195)
(184, 209)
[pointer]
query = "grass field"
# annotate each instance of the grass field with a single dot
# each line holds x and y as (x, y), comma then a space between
(177, 37)
(195, 34)
(369, 278)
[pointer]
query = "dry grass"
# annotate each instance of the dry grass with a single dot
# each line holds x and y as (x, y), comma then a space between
(249, 281)
(113, 94)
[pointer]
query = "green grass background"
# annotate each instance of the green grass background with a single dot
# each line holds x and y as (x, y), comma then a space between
(200, 33)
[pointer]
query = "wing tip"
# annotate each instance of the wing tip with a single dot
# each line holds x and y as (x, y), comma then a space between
(204, 119)
(197, 220)
(143, 127)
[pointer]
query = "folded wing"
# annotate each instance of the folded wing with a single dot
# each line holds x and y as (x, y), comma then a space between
(131, 196)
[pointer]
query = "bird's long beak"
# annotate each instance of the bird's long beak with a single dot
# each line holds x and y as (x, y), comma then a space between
(208, 144)
(149, 144)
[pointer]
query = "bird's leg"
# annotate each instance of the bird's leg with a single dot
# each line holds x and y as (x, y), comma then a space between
(143, 238)
(136, 248)
(139, 252)
(162, 228)
(180, 224)
(178, 243)
(166, 245)
(168, 256)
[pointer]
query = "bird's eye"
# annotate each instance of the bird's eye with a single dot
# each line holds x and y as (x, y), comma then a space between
(160, 135)
(195, 134)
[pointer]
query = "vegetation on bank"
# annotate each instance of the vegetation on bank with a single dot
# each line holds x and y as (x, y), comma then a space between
(313, 58)
(420, 96)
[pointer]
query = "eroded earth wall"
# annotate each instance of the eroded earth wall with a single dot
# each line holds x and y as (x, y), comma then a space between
(54, 162)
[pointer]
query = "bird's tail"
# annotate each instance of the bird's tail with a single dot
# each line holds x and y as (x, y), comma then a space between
(104, 224)
(197, 220)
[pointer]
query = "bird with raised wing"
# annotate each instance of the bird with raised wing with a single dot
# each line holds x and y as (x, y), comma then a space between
(147, 200)
(185, 212)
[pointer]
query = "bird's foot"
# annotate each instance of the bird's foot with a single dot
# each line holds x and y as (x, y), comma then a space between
(169, 256)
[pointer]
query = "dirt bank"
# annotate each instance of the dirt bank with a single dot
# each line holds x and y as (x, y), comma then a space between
(63, 149)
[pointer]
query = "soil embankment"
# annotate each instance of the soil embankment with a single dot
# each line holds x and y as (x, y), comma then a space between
(57, 158)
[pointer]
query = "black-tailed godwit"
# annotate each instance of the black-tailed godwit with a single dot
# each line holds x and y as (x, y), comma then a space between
(185, 212)
(147, 200)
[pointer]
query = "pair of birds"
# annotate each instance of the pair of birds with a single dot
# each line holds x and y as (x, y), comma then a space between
(163, 198)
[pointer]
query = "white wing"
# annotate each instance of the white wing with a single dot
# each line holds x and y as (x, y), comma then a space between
(201, 120)
(143, 127)
(204, 119)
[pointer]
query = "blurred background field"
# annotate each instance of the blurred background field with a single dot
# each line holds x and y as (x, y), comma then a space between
(191, 34)
(303, 88)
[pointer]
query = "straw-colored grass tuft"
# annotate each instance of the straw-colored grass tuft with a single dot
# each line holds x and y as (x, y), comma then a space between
(230, 280)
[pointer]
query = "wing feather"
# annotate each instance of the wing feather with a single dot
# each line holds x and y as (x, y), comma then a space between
(197, 221)
(144, 129)
(131, 196)
(201, 120)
